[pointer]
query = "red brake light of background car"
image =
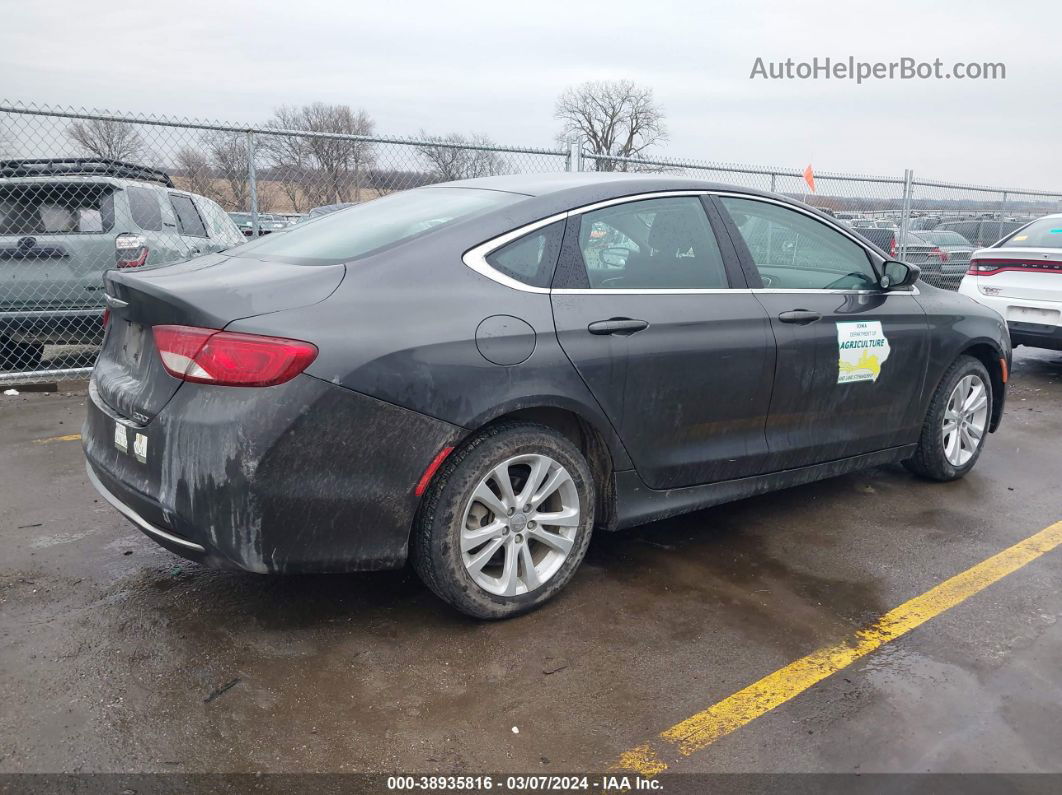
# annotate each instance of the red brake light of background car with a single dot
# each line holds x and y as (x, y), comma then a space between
(989, 267)
(940, 253)
(227, 358)
(892, 248)
(130, 251)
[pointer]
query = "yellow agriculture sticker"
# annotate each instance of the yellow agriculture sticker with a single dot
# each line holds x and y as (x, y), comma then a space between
(863, 349)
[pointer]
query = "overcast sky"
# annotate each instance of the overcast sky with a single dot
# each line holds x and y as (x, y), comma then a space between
(496, 68)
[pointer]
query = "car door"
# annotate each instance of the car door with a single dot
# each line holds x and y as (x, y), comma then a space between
(654, 313)
(852, 357)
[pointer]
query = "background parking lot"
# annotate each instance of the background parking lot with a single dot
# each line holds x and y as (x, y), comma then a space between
(118, 656)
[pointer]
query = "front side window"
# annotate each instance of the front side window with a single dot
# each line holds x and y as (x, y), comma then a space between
(188, 220)
(794, 251)
(651, 244)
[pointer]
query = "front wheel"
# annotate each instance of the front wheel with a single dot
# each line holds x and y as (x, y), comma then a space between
(956, 424)
(506, 522)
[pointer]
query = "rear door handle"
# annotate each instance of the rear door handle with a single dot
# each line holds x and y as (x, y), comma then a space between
(617, 325)
(799, 316)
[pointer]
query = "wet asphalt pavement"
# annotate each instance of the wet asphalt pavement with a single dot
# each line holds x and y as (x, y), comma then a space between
(117, 656)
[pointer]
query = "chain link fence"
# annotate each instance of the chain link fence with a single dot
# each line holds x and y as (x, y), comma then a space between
(82, 192)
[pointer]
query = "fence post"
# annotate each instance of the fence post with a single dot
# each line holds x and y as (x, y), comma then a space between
(252, 183)
(773, 178)
(1002, 212)
(905, 212)
(575, 155)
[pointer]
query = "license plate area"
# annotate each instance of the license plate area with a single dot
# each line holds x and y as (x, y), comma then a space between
(131, 441)
(1028, 314)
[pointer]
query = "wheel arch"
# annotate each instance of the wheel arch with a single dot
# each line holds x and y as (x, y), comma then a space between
(990, 355)
(595, 438)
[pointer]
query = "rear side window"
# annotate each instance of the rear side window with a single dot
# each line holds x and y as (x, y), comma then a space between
(221, 227)
(59, 208)
(531, 258)
(651, 244)
(145, 208)
(188, 220)
(356, 231)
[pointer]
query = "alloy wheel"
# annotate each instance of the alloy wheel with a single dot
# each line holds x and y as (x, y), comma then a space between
(965, 420)
(520, 524)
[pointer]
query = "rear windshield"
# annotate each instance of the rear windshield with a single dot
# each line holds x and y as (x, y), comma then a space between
(944, 238)
(364, 228)
(1044, 233)
(55, 208)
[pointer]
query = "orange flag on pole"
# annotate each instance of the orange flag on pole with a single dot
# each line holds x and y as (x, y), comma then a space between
(809, 177)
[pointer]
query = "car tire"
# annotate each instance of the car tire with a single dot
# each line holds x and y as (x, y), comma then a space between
(489, 565)
(954, 431)
(20, 356)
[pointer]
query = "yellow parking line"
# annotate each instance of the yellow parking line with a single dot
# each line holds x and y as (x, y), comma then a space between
(698, 731)
(70, 437)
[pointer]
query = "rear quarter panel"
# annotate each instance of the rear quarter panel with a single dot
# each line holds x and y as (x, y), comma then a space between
(402, 328)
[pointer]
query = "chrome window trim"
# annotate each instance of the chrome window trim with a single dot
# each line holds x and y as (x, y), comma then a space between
(475, 258)
(652, 291)
(638, 197)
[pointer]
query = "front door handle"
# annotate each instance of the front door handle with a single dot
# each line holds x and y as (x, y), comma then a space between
(617, 325)
(799, 316)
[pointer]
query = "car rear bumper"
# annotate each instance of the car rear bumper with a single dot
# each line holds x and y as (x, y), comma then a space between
(1035, 335)
(301, 477)
(1037, 324)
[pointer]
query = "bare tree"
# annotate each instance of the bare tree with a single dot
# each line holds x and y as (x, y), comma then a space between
(198, 174)
(332, 167)
(289, 156)
(615, 117)
(228, 153)
(449, 159)
(108, 139)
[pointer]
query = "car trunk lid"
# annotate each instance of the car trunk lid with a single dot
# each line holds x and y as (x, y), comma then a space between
(1033, 274)
(208, 292)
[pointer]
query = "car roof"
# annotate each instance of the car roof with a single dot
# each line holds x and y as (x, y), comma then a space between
(618, 183)
(554, 193)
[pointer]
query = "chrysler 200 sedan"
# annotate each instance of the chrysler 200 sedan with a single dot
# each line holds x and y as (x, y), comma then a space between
(476, 375)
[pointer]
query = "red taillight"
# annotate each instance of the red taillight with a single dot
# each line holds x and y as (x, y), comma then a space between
(940, 253)
(130, 251)
(892, 248)
(106, 316)
(228, 358)
(990, 267)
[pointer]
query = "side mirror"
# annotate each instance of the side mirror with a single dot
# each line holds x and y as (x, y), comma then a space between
(899, 274)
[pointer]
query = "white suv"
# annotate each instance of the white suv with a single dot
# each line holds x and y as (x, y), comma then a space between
(1021, 278)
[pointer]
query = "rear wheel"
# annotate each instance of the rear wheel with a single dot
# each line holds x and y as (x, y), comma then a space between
(506, 522)
(954, 431)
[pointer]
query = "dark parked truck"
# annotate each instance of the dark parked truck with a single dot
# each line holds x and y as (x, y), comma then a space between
(64, 222)
(478, 374)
